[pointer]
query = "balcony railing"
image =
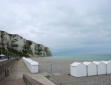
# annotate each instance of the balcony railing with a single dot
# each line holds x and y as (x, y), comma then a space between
(6, 67)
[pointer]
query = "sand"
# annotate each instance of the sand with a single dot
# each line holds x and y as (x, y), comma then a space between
(60, 70)
(54, 65)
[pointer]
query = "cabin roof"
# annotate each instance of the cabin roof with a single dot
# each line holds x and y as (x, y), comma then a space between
(75, 64)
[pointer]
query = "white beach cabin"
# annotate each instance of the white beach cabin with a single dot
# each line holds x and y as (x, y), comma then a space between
(101, 67)
(108, 66)
(90, 68)
(34, 67)
(78, 69)
(31, 65)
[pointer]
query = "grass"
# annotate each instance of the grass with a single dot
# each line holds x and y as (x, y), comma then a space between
(48, 76)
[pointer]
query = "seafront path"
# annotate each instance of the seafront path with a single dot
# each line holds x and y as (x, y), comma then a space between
(16, 77)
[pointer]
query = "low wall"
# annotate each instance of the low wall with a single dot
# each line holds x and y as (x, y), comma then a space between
(30, 79)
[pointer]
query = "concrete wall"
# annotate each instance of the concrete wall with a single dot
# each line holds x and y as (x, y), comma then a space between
(30, 79)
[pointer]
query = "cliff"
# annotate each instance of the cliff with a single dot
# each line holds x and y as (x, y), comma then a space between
(13, 44)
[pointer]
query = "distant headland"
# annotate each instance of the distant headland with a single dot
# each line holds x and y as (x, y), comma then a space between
(13, 44)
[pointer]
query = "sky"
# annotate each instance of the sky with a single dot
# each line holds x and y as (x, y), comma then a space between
(67, 27)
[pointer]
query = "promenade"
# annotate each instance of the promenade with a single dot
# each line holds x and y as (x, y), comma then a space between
(15, 77)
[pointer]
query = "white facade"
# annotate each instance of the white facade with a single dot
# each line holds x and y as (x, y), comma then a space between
(78, 69)
(31, 65)
(108, 66)
(90, 68)
(101, 67)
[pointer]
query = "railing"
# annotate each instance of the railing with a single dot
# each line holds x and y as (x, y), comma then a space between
(6, 67)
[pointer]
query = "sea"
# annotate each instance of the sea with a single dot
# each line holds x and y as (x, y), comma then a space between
(96, 57)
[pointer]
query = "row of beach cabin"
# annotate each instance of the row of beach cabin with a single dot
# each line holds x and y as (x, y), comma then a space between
(90, 68)
(77, 69)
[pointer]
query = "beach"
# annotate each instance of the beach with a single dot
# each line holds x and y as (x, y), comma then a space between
(60, 70)
(55, 65)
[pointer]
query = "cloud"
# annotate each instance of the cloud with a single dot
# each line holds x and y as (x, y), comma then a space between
(62, 25)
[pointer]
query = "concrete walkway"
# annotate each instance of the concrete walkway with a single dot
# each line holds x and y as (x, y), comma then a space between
(15, 77)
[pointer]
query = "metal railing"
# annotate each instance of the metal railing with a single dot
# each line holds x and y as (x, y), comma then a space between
(6, 67)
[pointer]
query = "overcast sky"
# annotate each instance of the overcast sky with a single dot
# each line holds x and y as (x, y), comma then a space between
(66, 26)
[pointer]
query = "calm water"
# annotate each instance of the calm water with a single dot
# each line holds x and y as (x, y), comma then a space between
(85, 57)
